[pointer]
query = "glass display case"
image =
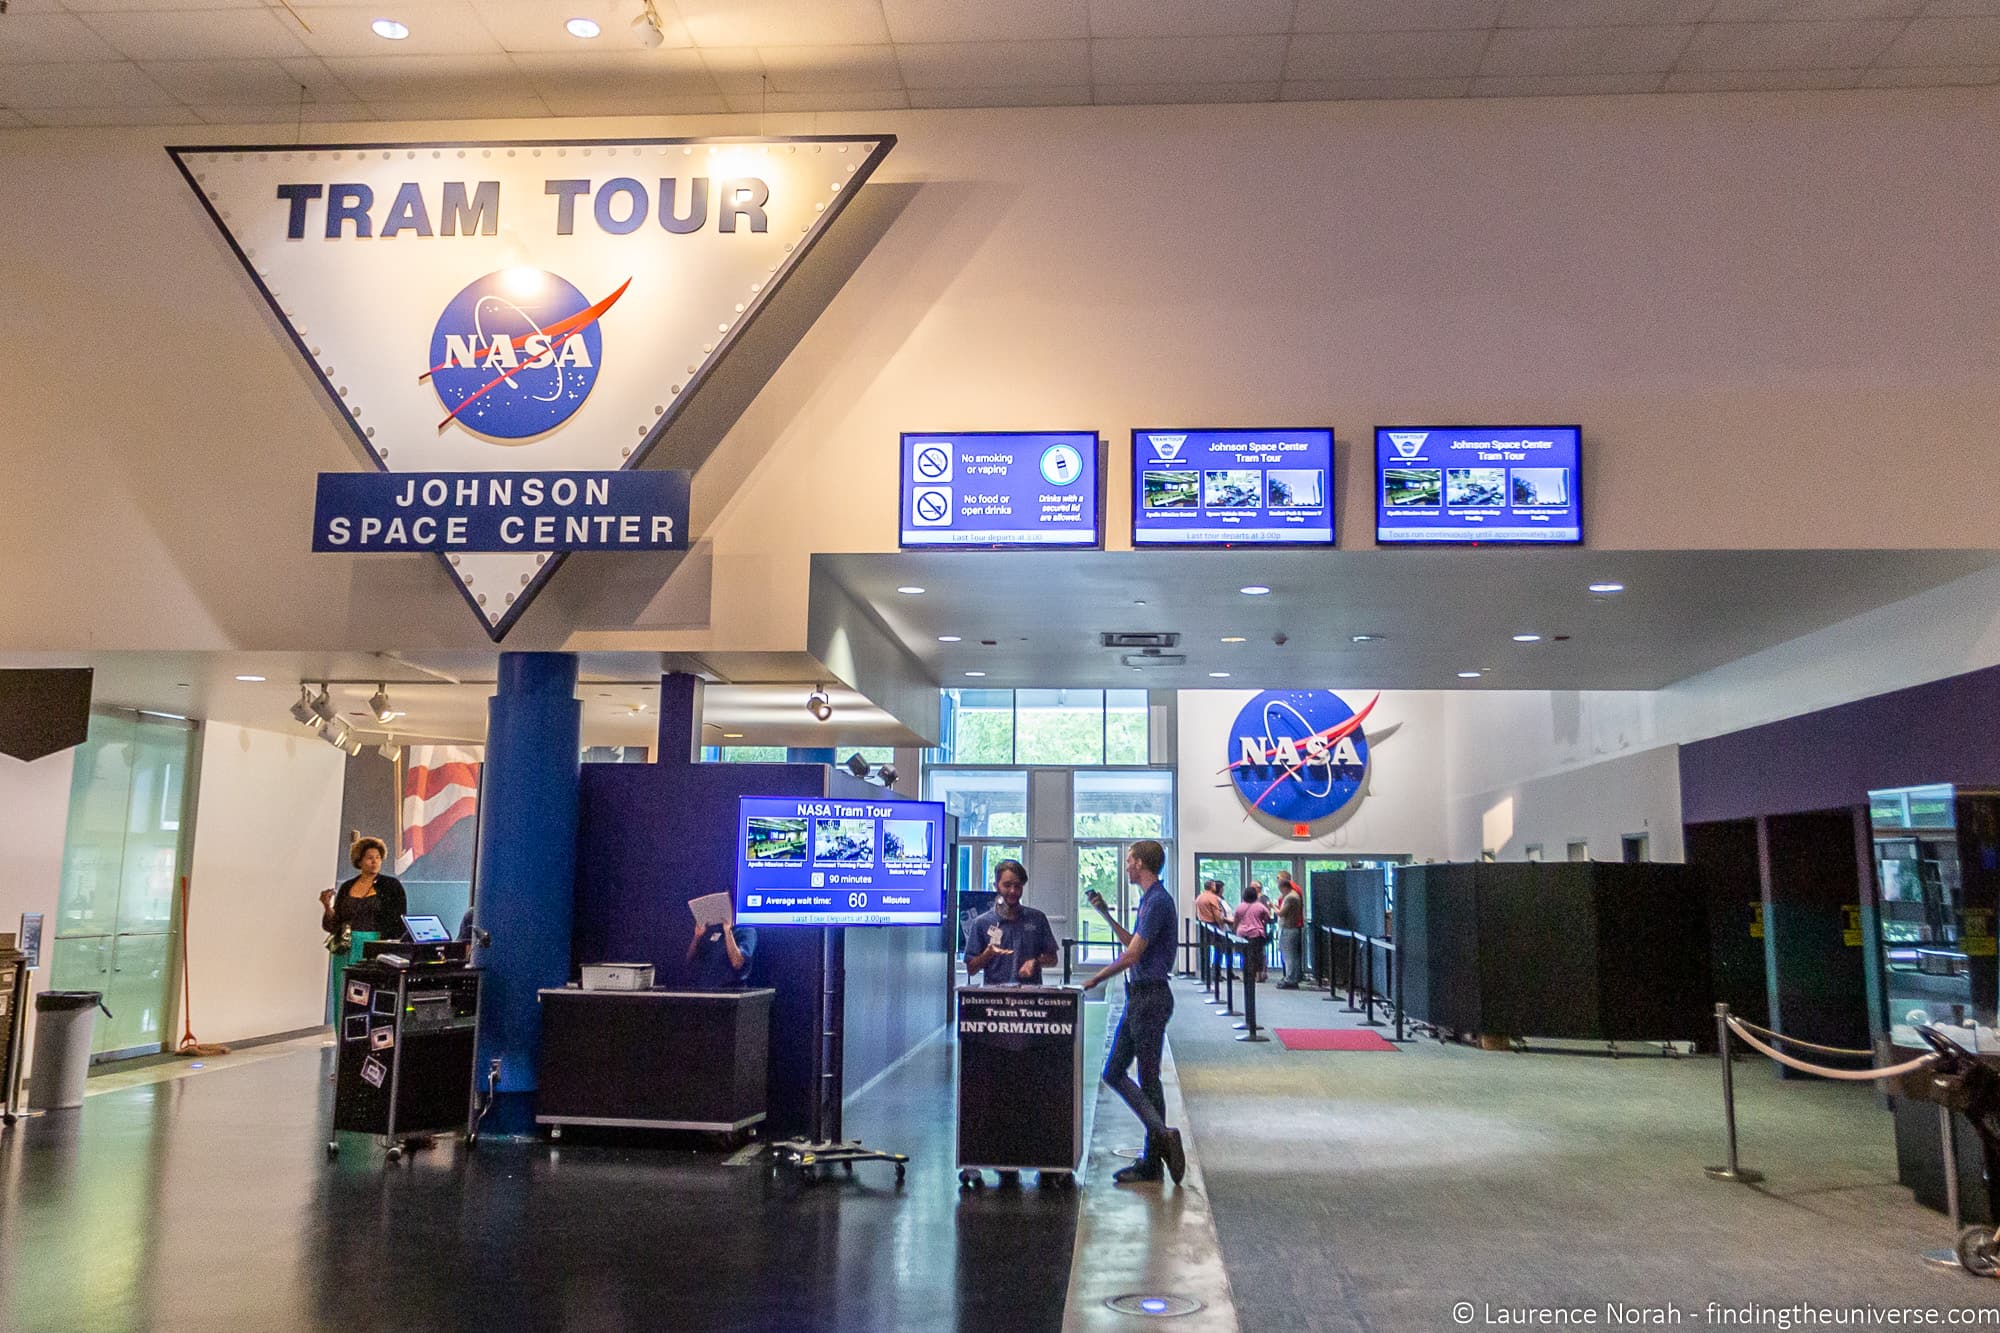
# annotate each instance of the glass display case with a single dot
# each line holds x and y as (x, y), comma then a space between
(1937, 871)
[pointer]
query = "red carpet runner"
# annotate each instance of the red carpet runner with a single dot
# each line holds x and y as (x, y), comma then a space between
(1332, 1039)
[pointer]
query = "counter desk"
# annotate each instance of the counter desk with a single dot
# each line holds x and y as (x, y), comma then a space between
(654, 1059)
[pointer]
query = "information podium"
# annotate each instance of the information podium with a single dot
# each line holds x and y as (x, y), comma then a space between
(1020, 1081)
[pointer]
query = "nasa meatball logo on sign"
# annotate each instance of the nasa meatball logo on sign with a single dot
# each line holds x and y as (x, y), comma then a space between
(1299, 756)
(508, 328)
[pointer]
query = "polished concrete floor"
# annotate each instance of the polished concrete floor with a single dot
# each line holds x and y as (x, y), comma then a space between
(206, 1202)
(1374, 1192)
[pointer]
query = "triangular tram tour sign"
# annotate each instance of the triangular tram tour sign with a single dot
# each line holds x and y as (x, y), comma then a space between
(530, 306)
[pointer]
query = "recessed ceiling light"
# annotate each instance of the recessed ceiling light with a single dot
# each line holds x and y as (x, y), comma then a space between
(732, 735)
(909, 590)
(1469, 675)
(251, 680)
(390, 29)
(584, 28)
(1607, 587)
(1232, 638)
(1218, 675)
(1527, 638)
(975, 673)
(949, 638)
(1367, 638)
(1254, 590)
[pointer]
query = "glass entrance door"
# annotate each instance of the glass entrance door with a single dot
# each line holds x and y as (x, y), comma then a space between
(1100, 867)
(122, 861)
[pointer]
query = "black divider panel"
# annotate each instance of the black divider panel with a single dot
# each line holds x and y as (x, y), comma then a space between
(1653, 954)
(1723, 855)
(1367, 900)
(1538, 958)
(1437, 941)
(1812, 923)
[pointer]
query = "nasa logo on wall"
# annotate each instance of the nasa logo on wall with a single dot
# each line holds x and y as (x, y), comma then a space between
(1298, 756)
(516, 353)
(535, 306)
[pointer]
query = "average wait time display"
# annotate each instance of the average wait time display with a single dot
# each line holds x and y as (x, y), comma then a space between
(826, 861)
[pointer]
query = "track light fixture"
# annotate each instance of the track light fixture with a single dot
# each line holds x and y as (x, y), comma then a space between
(390, 750)
(302, 711)
(647, 29)
(379, 704)
(323, 708)
(857, 766)
(818, 704)
(886, 775)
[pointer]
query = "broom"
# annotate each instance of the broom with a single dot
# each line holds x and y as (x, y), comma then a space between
(189, 1046)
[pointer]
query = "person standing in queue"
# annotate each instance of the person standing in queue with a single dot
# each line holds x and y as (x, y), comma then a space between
(1253, 923)
(1008, 944)
(1291, 930)
(371, 902)
(719, 955)
(1210, 910)
(1142, 1029)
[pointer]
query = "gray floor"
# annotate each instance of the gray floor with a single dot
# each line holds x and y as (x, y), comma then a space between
(1377, 1191)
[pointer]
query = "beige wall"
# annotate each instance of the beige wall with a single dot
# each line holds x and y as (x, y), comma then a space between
(266, 826)
(34, 815)
(1744, 299)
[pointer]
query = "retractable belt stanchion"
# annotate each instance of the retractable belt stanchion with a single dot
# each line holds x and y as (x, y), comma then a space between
(1396, 988)
(1229, 960)
(1252, 956)
(1733, 1172)
(1368, 985)
(1948, 1138)
(1067, 945)
(1353, 969)
(1327, 935)
(1188, 950)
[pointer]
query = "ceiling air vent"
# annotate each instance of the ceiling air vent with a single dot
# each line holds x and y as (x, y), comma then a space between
(1153, 657)
(1150, 642)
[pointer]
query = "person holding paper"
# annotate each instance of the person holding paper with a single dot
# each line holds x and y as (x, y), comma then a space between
(1008, 943)
(719, 954)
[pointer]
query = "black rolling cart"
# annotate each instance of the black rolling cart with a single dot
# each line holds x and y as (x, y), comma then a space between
(1020, 1082)
(406, 1038)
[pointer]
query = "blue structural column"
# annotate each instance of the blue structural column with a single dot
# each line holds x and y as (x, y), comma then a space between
(525, 899)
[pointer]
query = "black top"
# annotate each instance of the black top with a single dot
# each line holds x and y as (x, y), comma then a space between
(381, 912)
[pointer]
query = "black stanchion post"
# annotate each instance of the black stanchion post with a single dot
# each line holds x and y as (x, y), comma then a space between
(1396, 989)
(1067, 945)
(1231, 953)
(1353, 969)
(1253, 960)
(1368, 985)
(1326, 934)
(1733, 1171)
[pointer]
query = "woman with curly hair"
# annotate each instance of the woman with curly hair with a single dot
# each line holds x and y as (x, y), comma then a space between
(371, 902)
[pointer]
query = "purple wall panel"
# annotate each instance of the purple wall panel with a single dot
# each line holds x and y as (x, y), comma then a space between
(1944, 731)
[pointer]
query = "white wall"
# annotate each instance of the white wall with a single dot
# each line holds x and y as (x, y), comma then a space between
(34, 815)
(266, 821)
(1400, 810)
(1599, 804)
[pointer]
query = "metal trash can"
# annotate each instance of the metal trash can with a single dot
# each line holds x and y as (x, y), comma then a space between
(63, 1020)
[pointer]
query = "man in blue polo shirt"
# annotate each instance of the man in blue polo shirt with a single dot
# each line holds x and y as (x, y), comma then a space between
(1142, 1029)
(1009, 944)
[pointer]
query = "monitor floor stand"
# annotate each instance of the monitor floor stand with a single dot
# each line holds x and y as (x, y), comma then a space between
(826, 1148)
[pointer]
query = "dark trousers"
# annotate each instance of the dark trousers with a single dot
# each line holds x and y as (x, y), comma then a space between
(1141, 1036)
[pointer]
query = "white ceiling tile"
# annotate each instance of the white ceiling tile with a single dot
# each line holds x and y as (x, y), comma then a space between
(414, 78)
(1951, 9)
(135, 6)
(1342, 90)
(227, 114)
(245, 82)
(1633, 49)
(1567, 85)
(1958, 41)
(735, 69)
(1385, 55)
(887, 99)
(985, 21)
(994, 64)
(605, 104)
(1592, 13)
(1785, 11)
(116, 83)
(1720, 46)
(1077, 94)
(37, 38)
(500, 106)
(1403, 16)
(831, 69)
(783, 22)
(1962, 76)
(1183, 94)
(1187, 59)
(1188, 18)
(1759, 80)
(202, 34)
(630, 74)
(537, 25)
(11, 121)
(67, 116)
(437, 28)
(20, 7)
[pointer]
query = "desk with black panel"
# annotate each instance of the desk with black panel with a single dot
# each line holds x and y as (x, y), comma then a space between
(654, 1059)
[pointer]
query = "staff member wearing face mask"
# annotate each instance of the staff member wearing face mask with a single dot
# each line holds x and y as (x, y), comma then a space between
(1008, 944)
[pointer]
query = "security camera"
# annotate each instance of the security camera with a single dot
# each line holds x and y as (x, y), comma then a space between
(818, 704)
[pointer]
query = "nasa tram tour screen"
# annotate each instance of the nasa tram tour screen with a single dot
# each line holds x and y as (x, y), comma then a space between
(825, 861)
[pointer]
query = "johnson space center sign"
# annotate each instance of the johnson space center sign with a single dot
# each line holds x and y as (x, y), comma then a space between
(509, 327)
(1298, 757)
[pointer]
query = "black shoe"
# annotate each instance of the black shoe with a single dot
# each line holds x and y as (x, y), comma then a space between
(1144, 1171)
(1010, 1179)
(1288, 985)
(1176, 1156)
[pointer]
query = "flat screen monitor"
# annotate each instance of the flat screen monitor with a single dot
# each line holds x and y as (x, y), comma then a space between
(990, 489)
(1232, 487)
(827, 861)
(1498, 484)
(426, 930)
